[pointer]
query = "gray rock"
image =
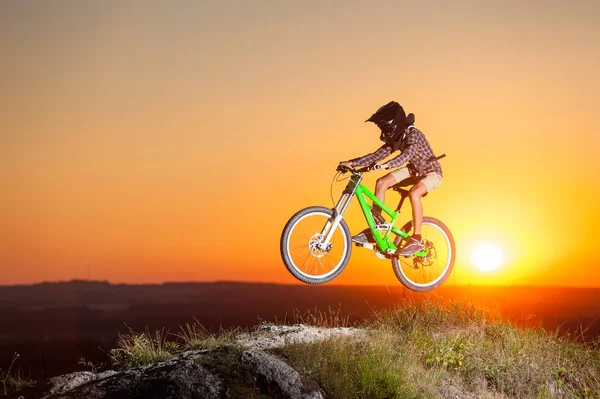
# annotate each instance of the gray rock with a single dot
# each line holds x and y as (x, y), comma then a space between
(205, 374)
(180, 377)
(278, 373)
(104, 374)
(70, 381)
(271, 336)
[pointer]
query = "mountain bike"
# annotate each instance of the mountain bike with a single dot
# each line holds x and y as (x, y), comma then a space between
(316, 243)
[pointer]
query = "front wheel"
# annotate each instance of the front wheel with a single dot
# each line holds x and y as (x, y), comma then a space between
(425, 273)
(303, 251)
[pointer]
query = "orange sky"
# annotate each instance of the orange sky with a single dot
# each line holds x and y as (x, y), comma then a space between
(171, 141)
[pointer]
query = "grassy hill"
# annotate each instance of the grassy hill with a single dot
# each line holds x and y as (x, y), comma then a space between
(418, 349)
(450, 350)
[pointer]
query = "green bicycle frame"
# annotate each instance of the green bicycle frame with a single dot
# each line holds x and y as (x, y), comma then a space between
(384, 241)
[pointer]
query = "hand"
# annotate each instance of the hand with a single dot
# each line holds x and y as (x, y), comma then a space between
(344, 167)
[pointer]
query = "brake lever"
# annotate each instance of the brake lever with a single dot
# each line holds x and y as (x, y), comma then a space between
(344, 169)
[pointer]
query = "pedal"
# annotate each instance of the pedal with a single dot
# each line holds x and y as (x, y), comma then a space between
(368, 246)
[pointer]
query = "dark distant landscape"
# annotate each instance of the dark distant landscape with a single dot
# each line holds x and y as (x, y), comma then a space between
(52, 325)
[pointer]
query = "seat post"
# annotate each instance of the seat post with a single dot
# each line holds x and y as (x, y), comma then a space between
(403, 192)
(402, 198)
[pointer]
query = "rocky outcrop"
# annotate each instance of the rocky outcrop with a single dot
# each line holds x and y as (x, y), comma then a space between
(179, 377)
(270, 336)
(275, 372)
(65, 383)
(242, 369)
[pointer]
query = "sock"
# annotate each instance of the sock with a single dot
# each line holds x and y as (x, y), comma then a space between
(376, 208)
(417, 237)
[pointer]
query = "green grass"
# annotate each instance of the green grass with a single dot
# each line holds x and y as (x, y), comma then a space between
(137, 349)
(317, 318)
(446, 350)
(13, 381)
(194, 336)
(420, 349)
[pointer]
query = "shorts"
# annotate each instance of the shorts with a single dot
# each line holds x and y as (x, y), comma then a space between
(431, 180)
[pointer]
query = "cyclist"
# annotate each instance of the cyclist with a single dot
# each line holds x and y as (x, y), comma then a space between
(399, 134)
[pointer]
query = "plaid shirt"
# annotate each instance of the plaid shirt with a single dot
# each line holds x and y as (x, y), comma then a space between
(415, 150)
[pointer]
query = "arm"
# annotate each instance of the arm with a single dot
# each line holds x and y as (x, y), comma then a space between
(376, 156)
(406, 155)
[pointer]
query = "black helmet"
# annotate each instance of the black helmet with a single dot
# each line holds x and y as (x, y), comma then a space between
(388, 117)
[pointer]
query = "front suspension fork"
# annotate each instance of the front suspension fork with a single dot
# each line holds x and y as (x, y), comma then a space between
(334, 221)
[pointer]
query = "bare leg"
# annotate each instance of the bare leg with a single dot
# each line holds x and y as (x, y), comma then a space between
(416, 193)
(383, 183)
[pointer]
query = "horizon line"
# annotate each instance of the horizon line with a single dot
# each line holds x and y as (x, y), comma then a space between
(286, 284)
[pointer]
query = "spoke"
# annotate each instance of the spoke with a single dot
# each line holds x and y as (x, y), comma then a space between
(338, 254)
(298, 246)
(407, 266)
(299, 255)
(421, 275)
(321, 263)
(305, 259)
(305, 238)
(430, 275)
(314, 268)
(317, 261)
(308, 269)
(326, 257)
(332, 263)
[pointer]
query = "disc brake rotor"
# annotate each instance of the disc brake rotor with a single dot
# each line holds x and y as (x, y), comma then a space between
(427, 260)
(313, 246)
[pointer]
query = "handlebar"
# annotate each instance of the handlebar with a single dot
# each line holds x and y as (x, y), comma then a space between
(344, 169)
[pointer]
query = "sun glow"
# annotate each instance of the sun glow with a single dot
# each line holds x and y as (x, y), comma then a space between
(487, 257)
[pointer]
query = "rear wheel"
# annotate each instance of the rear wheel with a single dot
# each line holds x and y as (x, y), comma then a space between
(302, 250)
(425, 273)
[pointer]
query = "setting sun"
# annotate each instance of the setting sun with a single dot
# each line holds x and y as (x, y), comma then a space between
(487, 257)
